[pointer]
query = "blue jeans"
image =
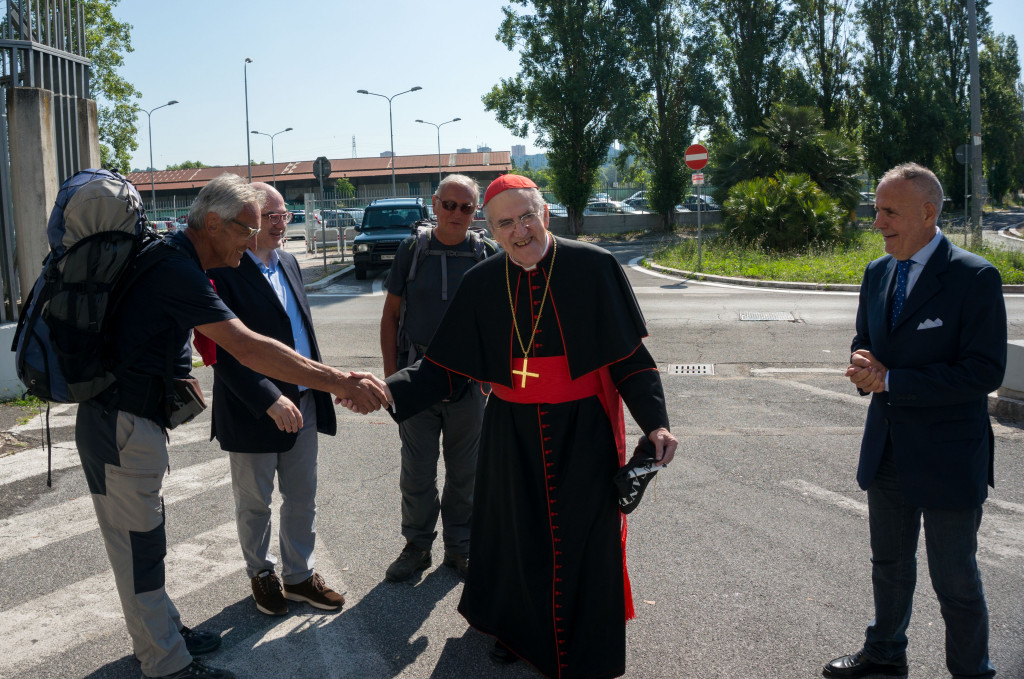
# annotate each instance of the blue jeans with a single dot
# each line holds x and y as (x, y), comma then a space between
(951, 542)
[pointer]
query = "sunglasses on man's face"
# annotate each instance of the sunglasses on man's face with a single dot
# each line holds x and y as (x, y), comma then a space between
(451, 206)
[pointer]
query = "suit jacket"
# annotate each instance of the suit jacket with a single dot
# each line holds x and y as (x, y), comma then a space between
(241, 396)
(946, 353)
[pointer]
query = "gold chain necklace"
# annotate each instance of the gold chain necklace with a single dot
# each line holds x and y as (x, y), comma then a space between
(547, 285)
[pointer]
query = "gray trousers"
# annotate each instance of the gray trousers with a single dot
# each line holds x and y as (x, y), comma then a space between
(124, 457)
(252, 481)
(455, 426)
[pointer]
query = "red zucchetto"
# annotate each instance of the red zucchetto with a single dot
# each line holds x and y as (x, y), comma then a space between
(506, 182)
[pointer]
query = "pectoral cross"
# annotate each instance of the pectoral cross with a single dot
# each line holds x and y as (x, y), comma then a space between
(525, 374)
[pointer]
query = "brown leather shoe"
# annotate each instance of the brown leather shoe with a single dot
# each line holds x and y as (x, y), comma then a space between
(460, 562)
(266, 590)
(314, 592)
(860, 665)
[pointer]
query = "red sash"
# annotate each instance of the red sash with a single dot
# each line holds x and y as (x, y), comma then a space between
(546, 379)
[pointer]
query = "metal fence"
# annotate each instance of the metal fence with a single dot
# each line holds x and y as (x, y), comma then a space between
(42, 44)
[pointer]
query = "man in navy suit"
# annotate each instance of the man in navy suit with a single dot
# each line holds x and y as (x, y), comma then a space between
(930, 347)
(270, 427)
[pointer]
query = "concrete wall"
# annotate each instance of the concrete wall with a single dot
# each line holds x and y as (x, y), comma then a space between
(33, 176)
(632, 222)
(88, 134)
(10, 385)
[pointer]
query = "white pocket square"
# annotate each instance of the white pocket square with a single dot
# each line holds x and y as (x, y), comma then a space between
(929, 324)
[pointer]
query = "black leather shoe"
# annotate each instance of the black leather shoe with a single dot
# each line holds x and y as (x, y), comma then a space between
(859, 665)
(502, 655)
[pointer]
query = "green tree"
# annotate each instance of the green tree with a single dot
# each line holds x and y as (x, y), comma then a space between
(899, 117)
(541, 177)
(825, 51)
(188, 165)
(752, 35)
(107, 40)
(344, 187)
(572, 88)
(792, 141)
(671, 61)
(1002, 115)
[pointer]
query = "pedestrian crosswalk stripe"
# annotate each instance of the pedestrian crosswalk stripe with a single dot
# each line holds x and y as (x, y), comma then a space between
(34, 530)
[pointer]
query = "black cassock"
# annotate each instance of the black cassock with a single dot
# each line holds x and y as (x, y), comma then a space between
(547, 575)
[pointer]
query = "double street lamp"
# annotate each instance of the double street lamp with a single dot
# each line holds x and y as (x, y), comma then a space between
(391, 127)
(248, 155)
(273, 163)
(149, 123)
(438, 126)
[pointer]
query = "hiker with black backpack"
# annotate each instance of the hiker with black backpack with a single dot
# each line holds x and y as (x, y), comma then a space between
(424, 277)
(121, 434)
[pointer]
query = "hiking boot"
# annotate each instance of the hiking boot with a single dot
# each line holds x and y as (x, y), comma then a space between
(198, 642)
(266, 590)
(460, 562)
(198, 670)
(411, 559)
(315, 593)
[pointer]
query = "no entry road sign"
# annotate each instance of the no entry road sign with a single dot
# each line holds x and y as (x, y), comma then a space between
(696, 157)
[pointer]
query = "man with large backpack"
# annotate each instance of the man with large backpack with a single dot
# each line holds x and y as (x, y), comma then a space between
(122, 433)
(423, 279)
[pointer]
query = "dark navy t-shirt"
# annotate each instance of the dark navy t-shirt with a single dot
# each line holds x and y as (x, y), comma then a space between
(163, 306)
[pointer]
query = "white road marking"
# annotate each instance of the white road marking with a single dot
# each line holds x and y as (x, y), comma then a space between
(88, 609)
(828, 393)
(32, 462)
(1000, 539)
(796, 371)
(827, 496)
(24, 533)
(635, 265)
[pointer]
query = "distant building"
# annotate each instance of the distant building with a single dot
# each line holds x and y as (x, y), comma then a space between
(518, 150)
(371, 177)
(463, 150)
(385, 154)
(483, 149)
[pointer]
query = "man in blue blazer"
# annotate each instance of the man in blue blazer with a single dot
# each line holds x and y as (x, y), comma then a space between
(270, 427)
(930, 347)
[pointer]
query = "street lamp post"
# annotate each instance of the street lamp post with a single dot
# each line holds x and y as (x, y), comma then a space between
(149, 123)
(438, 126)
(273, 163)
(248, 154)
(391, 127)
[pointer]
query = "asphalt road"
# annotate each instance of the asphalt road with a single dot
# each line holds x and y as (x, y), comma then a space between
(749, 558)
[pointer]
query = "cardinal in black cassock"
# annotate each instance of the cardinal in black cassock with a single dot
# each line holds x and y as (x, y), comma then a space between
(553, 327)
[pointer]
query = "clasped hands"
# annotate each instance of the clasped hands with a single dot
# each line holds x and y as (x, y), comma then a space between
(362, 393)
(866, 372)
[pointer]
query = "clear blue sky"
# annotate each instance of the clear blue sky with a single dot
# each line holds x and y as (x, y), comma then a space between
(310, 57)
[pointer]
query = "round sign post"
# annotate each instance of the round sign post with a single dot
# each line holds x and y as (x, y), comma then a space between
(696, 157)
(322, 169)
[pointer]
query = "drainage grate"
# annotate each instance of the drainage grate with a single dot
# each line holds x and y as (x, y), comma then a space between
(766, 316)
(691, 369)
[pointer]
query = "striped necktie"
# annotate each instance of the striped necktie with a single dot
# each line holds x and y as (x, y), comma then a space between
(898, 297)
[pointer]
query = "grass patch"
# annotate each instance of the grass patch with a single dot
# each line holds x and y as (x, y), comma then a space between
(841, 262)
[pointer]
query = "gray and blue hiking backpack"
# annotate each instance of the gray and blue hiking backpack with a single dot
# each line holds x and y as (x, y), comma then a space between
(97, 229)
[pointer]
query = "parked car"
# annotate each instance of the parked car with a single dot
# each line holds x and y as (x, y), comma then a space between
(867, 197)
(557, 210)
(338, 219)
(637, 203)
(386, 223)
(607, 207)
(691, 202)
(297, 227)
(600, 197)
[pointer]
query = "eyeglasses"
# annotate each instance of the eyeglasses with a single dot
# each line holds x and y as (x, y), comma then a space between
(252, 231)
(451, 205)
(529, 220)
(277, 217)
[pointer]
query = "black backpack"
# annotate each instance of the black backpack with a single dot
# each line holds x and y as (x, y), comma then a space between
(97, 230)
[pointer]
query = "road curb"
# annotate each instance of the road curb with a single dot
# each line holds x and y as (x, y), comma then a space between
(781, 285)
(328, 280)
